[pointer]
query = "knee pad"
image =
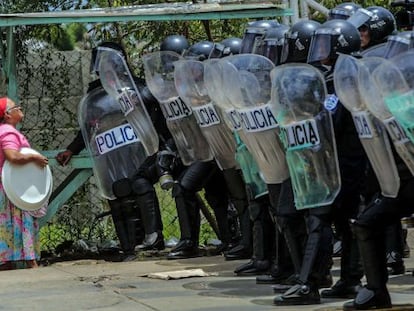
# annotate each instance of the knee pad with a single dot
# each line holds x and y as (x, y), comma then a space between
(122, 188)
(142, 186)
(379, 212)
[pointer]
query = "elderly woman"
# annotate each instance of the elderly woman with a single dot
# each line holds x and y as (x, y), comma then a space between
(18, 229)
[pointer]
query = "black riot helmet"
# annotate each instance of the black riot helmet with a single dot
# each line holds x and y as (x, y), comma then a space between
(200, 50)
(399, 43)
(297, 41)
(270, 45)
(233, 44)
(255, 30)
(174, 43)
(95, 57)
(343, 10)
(379, 22)
(332, 37)
(229, 46)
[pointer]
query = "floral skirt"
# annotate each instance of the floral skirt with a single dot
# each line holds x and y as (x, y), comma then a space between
(19, 234)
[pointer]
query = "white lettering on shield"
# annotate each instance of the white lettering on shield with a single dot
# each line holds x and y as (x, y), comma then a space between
(303, 134)
(115, 138)
(396, 132)
(206, 115)
(363, 124)
(126, 102)
(175, 109)
(234, 119)
(258, 119)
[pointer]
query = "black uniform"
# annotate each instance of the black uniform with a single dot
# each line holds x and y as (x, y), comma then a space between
(138, 199)
(353, 166)
(370, 228)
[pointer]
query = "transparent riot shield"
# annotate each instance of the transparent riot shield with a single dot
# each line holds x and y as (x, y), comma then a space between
(374, 100)
(370, 130)
(190, 85)
(159, 75)
(248, 86)
(395, 81)
(213, 79)
(298, 94)
(115, 149)
(119, 83)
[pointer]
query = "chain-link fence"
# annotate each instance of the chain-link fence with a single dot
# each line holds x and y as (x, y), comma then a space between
(50, 87)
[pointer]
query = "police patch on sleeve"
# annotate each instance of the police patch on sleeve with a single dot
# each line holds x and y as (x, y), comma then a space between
(331, 102)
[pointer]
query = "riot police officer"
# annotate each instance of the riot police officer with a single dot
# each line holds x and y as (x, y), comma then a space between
(330, 38)
(291, 222)
(371, 228)
(133, 201)
(352, 164)
(375, 24)
(195, 176)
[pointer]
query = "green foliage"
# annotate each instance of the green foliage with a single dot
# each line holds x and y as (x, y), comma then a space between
(76, 32)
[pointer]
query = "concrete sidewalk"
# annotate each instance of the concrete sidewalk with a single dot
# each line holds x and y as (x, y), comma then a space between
(100, 285)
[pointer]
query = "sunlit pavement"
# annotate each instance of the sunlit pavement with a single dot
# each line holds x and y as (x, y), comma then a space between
(100, 285)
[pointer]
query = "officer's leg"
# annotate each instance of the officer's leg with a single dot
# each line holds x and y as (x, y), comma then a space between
(351, 271)
(148, 204)
(369, 229)
(125, 214)
(238, 196)
(262, 244)
(287, 230)
(394, 244)
(184, 192)
(120, 226)
(317, 261)
(216, 195)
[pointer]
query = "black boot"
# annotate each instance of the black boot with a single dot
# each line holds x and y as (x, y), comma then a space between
(189, 220)
(351, 271)
(394, 243)
(185, 248)
(244, 249)
(282, 268)
(262, 246)
(316, 264)
(375, 295)
(341, 289)
(122, 227)
(299, 294)
(147, 201)
(238, 197)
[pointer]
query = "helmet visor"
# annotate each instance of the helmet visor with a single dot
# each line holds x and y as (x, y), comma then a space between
(320, 47)
(289, 43)
(219, 50)
(267, 48)
(396, 45)
(288, 50)
(249, 38)
(360, 17)
(339, 14)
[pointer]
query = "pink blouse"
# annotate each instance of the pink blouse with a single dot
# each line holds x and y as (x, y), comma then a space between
(10, 138)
